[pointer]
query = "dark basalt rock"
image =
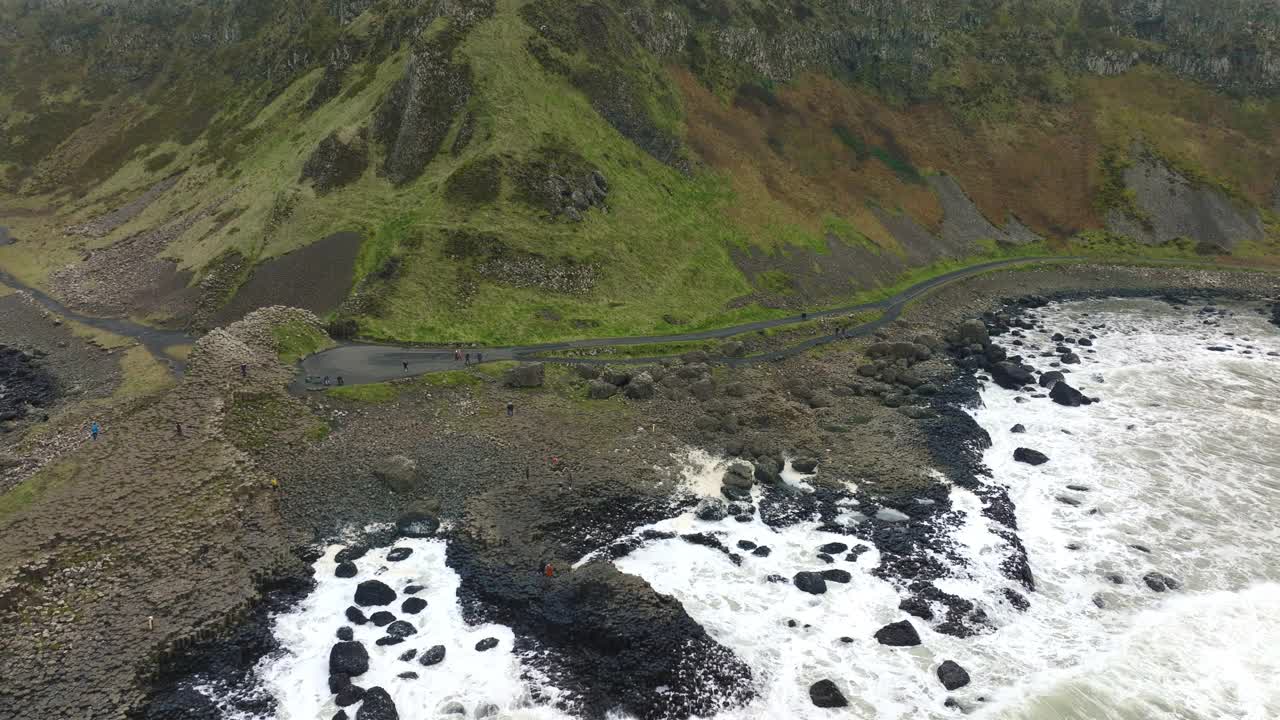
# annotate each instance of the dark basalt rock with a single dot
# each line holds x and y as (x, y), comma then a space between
(338, 682)
(389, 640)
(349, 695)
(834, 548)
(953, 676)
(826, 558)
(432, 656)
(487, 644)
(408, 675)
(1064, 394)
(810, 582)
(408, 655)
(347, 554)
(345, 633)
(746, 545)
(413, 605)
(1010, 376)
(398, 554)
(1018, 429)
(916, 607)
(377, 706)
(825, 694)
(382, 618)
(1030, 457)
(899, 634)
(840, 576)
(356, 616)
(856, 553)
(374, 592)
(348, 658)
(1160, 582)
(413, 589)
(345, 570)
(711, 510)
(762, 551)
(402, 629)
(1049, 379)
(417, 525)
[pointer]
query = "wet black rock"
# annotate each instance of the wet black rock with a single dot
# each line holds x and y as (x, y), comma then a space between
(349, 695)
(1016, 599)
(356, 616)
(762, 551)
(382, 618)
(1018, 429)
(388, 641)
(916, 607)
(377, 706)
(345, 570)
(345, 633)
(1068, 500)
(1070, 359)
(408, 655)
(413, 605)
(1010, 376)
(401, 628)
(413, 589)
(339, 681)
(354, 552)
(804, 465)
(746, 545)
(408, 676)
(487, 644)
(398, 554)
(899, 634)
(711, 510)
(1160, 582)
(432, 656)
(810, 582)
(1049, 379)
(826, 558)
(1141, 548)
(374, 592)
(1030, 457)
(1064, 394)
(840, 576)
(825, 694)
(348, 658)
(417, 525)
(953, 676)
(833, 548)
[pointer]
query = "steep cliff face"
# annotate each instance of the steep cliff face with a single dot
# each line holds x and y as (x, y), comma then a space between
(727, 157)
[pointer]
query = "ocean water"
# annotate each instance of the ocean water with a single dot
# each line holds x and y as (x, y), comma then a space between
(1177, 471)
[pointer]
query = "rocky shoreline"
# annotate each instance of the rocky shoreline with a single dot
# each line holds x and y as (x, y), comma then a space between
(606, 638)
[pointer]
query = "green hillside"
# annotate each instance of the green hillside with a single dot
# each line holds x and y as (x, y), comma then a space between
(529, 171)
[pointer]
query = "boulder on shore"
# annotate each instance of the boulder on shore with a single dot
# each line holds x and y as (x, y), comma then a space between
(374, 592)
(1029, 456)
(432, 656)
(1064, 394)
(348, 658)
(825, 694)
(417, 525)
(899, 634)
(1051, 378)
(397, 472)
(377, 705)
(952, 675)
(1010, 376)
(601, 390)
(711, 510)
(810, 582)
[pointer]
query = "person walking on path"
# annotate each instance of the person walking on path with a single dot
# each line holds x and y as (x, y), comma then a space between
(406, 365)
(479, 358)
(511, 409)
(468, 360)
(94, 430)
(244, 370)
(180, 430)
(457, 354)
(340, 381)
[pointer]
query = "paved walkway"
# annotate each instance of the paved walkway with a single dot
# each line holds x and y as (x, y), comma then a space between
(367, 363)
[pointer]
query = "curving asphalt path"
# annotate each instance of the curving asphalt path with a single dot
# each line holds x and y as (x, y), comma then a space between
(368, 363)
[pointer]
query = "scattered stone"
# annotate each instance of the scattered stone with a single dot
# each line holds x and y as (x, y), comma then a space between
(953, 676)
(349, 695)
(1049, 379)
(401, 629)
(1029, 456)
(413, 605)
(833, 548)
(347, 554)
(762, 551)
(899, 634)
(398, 472)
(388, 640)
(601, 390)
(413, 589)
(408, 655)
(804, 465)
(810, 582)
(1160, 582)
(746, 545)
(345, 570)
(382, 618)
(408, 675)
(356, 616)
(348, 658)
(825, 694)
(826, 558)
(432, 656)
(1018, 429)
(1010, 376)
(487, 644)
(417, 525)
(530, 375)
(345, 633)
(1064, 394)
(840, 576)
(377, 705)
(398, 554)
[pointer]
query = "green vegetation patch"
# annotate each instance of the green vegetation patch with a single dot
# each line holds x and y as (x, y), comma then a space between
(253, 421)
(27, 492)
(296, 340)
(477, 182)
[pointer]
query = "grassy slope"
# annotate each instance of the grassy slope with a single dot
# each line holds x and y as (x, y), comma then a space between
(778, 177)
